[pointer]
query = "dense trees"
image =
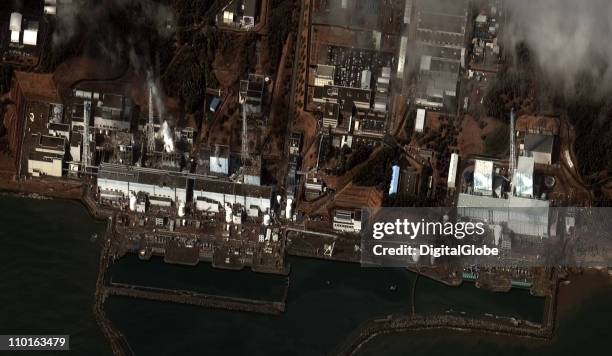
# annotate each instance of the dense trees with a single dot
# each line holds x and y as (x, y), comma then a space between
(583, 99)
(377, 172)
(6, 73)
(592, 118)
(281, 22)
(350, 158)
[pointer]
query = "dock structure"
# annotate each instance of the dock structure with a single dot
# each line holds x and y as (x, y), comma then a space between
(118, 342)
(113, 246)
(399, 323)
(191, 249)
(195, 298)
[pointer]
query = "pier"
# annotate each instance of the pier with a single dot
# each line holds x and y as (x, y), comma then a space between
(195, 298)
(415, 322)
(117, 341)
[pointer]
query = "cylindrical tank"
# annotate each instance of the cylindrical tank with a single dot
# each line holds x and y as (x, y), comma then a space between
(497, 233)
(15, 24)
(288, 209)
(132, 202)
(266, 220)
(181, 209)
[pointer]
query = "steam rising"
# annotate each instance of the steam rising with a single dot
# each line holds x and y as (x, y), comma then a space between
(157, 94)
(168, 137)
(568, 37)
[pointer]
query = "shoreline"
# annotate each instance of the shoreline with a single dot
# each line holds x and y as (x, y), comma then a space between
(49, 190)
(566, 297)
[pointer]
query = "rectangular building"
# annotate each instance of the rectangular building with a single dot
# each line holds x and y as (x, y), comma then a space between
(346, 220)
(483, 177)
(523, 177)
(540, 147)
(452, 171)
(210, 194)
(116, 180)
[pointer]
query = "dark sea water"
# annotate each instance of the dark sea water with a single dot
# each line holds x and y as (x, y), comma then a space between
(48, 269)
(48, 274)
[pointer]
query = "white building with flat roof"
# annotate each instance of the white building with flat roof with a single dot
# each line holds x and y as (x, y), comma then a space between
(346, 220)
(452, 171)
(419, 124)
(527, 217)
(523, 177)
(483, 177)
(161, 187)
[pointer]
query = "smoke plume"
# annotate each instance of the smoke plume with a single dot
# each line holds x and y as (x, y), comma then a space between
(569, 38)
(157, 94)
(116, 29)
(168, 137)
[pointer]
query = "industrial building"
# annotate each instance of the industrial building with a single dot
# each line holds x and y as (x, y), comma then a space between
(162, 188)
(331, 114)
(214, 161)
(21, 39)
(540, 147)
(252, 93)
(37, 103)
(441, 40)
(523, 177)
(242, 14)
(419, 124)
(347, 220)
(351, 88)
(211, 195)
(395, 176)
(47, 158)
(526, 217)
(452, 171)
(109, 111)
(483, 177)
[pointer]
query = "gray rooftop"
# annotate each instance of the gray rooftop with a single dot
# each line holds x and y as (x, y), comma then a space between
(539, 143)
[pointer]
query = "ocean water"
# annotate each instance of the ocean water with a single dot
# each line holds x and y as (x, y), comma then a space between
(48, 274)
(585, 331)
(48, 271)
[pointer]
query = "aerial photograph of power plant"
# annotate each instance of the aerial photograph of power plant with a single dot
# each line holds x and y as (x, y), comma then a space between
(306, 177)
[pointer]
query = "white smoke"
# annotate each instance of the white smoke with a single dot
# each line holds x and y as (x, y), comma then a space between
(168, 137)
(157, 94)
(567, 37)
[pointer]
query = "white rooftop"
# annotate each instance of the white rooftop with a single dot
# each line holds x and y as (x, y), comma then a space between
(420, 120)
(30, 37)
(483, 177)
(523, 177)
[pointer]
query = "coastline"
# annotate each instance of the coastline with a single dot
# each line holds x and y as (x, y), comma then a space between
(568, 296)
(60, 189)
(584, 286)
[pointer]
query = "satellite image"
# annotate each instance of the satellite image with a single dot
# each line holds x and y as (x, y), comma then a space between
(306, 177)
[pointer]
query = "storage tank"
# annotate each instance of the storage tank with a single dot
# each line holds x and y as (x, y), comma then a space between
(132, 202)
(497, 233)
(228, 214)
(266, 219)
(181, 209)
(288, 212)
(15, 24)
